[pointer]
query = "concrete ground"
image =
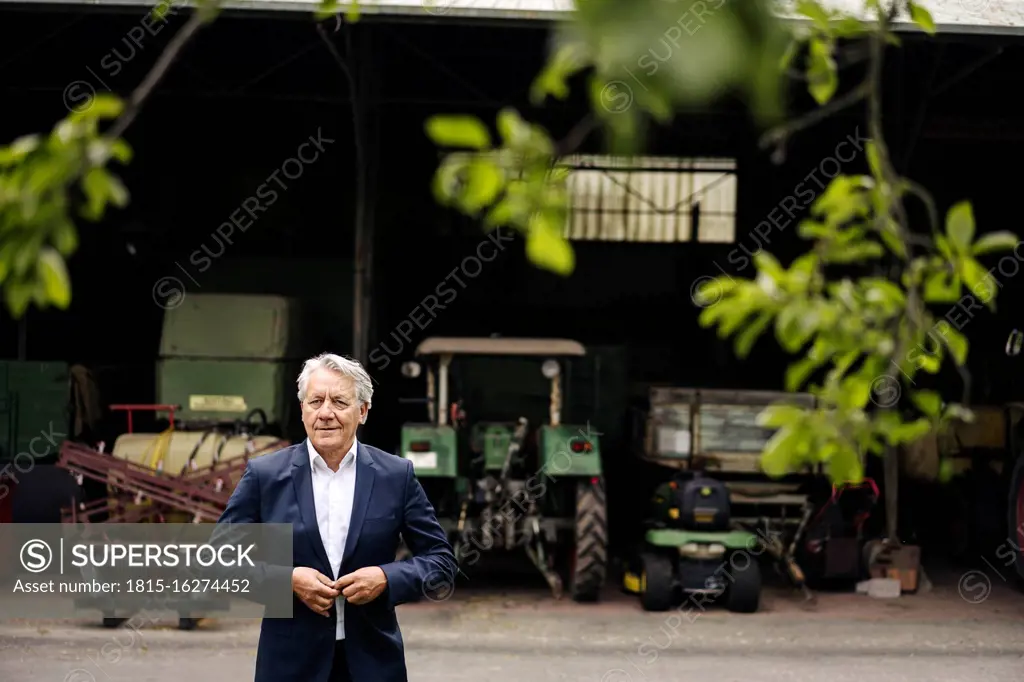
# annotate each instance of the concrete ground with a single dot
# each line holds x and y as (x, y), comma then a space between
(957, 631)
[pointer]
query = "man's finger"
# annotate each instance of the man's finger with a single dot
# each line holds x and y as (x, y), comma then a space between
(350, 590)
(323, 578)
(327, 591)
(345, 580)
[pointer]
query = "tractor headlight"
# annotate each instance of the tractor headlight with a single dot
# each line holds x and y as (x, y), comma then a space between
(411, 369)
(696, 550)
(550, 369)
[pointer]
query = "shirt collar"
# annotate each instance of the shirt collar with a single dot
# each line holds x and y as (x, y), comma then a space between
(347, 460)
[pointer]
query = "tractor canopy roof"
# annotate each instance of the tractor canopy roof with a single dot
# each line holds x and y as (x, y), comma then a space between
(438, 345)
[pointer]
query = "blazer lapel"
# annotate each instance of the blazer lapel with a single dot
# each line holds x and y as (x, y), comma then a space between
(365, 474)
(302, 477)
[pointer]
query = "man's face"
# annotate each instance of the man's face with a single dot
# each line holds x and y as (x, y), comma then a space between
(331, 413)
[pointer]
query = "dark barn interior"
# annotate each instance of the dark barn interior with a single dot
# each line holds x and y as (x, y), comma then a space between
(252, 87)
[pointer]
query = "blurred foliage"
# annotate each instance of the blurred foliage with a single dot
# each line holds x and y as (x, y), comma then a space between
(44, 180)
(641, 61)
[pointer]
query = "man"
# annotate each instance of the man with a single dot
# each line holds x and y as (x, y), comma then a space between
(347, 502)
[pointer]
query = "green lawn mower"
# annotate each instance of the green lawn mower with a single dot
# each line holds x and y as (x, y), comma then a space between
(690, 552)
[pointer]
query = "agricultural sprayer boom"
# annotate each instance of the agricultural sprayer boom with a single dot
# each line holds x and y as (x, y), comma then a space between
(202, 492)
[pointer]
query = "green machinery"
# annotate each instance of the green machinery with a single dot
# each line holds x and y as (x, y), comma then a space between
(500, 467)
(720, 510)
(34, 411)
(35, 415)
(228, 363)
(690, 548)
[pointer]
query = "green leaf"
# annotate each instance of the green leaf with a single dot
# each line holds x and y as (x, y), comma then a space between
(484, 182)
(745, 340)
(930, 362)
(562, 65)
(458, 131)
(795, 325)
(546, 247)
(798, 372)
(781, 451)
(822, 78)
(769, 265)
(929, 402)
(960, 226)
(815, 12)
(101, 106)
(941, 287)
(910, 432)
(65, 238)
(954, 341)
(848, 27)
(779, 415)
(792, 50)
(995, 241)
(18, 295)
(979, 281)
(852, 253)
(500, 214)
(447, 178)
(327, 8)
(922, 18)
(844, 466)
(54, 277)
(856, 392)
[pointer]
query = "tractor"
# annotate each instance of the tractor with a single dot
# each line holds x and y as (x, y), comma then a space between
(717, 512)
(499, 465)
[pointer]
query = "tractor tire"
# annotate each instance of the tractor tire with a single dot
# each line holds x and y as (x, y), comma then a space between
(589, 564)
(657, 582)
(744, 594)
(111, 622)
(1015, 515)
(187, 624)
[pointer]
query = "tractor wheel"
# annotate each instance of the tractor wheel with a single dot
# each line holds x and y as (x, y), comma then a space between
(656, 582)
(111, 622)
(185, 623)
(1015, 512)
(744, 594)
(589, 562)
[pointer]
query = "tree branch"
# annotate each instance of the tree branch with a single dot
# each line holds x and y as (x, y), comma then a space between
(780, 134)
(167, 57)
(579, 133)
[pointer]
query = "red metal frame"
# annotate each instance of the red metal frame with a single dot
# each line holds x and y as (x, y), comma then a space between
(146, 407)
(203, 492)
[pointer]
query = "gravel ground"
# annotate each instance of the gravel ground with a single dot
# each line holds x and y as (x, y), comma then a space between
(525, 635)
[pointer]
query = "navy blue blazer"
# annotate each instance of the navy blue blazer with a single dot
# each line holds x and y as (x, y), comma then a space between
(278, 488)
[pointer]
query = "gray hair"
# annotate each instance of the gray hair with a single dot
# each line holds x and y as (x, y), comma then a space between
(344, 366)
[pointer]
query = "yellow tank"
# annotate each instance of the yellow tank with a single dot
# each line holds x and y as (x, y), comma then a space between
(172, 450)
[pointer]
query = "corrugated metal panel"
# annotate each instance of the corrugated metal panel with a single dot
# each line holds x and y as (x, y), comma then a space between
(651, 199)
(952, 16)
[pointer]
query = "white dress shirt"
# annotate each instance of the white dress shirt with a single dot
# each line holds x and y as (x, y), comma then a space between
(332, 494)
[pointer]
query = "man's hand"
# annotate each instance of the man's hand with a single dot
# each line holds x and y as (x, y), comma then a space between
(362, 586)
(315, 589)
